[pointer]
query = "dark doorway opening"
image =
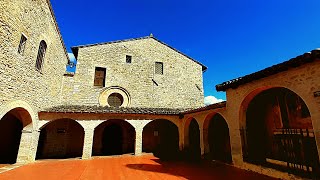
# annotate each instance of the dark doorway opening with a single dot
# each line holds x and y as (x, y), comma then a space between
(10, 135)
(161, 137)
(113, 137)
(219, 140)
(112, 140)
(194, 149)
(60, 139)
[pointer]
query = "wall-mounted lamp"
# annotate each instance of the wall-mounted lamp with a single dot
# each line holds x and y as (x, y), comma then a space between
(316, 94)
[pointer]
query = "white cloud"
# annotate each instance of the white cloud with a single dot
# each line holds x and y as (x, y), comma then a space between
(211, 100)
(71, 57)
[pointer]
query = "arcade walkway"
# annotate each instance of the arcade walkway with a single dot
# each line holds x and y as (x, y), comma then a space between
(126, 167)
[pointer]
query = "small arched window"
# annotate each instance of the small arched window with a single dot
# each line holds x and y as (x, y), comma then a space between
(41, 54)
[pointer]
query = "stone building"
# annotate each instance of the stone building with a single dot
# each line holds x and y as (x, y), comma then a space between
(141, 95)
(142, 72)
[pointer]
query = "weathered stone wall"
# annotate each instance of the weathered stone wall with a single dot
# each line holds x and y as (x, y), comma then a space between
(19, 79)
(176, 87)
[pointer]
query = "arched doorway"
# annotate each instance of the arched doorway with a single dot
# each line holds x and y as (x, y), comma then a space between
(113, 137)
(11, 125)
(161, 137)
(219, 139)
(60, 139)
(193, 148)
(278, 132)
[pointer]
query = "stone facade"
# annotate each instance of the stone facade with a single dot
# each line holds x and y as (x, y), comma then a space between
(19, 78)
(180, 85)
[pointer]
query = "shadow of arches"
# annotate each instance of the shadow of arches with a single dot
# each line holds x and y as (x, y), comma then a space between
(11, 125)
(59, 139)
(113, 137)
(161, 137)
(219, 140)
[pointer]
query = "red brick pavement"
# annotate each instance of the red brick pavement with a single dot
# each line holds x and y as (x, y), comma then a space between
(126, 167)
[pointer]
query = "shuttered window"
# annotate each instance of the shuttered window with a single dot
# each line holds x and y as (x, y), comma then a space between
(158, 68)
(22, 44)
(128, 59)
(40, 57)
(100, 76)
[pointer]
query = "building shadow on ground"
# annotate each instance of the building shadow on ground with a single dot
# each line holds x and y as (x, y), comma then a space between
(201, 170)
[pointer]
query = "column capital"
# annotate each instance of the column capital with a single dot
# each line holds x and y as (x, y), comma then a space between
(88, 129)
(27, 131)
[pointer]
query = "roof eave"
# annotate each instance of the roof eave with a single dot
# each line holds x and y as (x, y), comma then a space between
(272, 70)
(58, 30)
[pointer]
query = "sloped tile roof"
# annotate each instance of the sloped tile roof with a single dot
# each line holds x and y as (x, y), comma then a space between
(284, 66)
(212, 106)
(112, 110)
(129, 110)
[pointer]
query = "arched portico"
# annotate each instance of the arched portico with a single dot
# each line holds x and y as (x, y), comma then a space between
(217, 138)
(271, 120)
(59, 139)
(161, 137)
(113, 137)
(11, 125)
(192, 147)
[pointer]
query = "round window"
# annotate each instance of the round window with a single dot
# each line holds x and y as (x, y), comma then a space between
(115, 100)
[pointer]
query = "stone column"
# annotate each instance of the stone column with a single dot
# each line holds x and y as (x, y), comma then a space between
(202, 144)
(182, 139)
(138, 143)
(28, 146)
(88, 126)
(87, 144)
(138, 126)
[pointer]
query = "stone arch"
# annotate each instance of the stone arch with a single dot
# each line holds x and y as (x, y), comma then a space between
(59, 139)
(253, 93)
(91, 124)
(161, 137)
(216, 138)
(192, 147)
(23, 105)
(103, 97)
(186, 130)
(268, 115)
(113, 137)
(11, 125)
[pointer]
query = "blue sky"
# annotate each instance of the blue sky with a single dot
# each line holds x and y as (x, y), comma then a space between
(231, 37)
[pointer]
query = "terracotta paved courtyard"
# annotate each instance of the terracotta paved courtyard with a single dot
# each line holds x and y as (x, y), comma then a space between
(126, 167)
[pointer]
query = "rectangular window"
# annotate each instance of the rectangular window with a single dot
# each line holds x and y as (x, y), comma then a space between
(159, 68)
(22, 44)
(128, 59)
(100, 76)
